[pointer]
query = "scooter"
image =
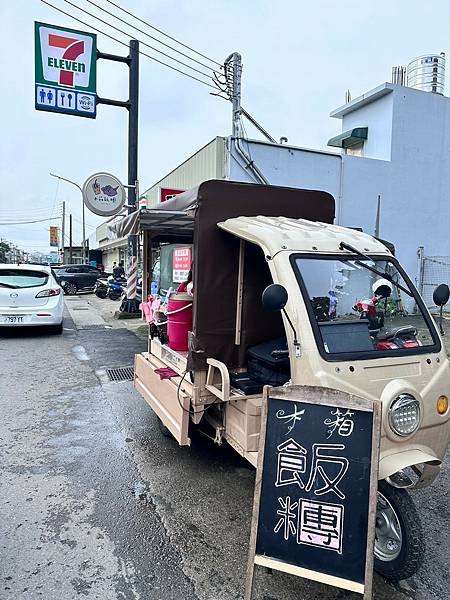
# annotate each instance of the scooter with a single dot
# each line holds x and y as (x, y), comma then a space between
(101, 288)
(391, 339)
(398, 337)
(115, 287)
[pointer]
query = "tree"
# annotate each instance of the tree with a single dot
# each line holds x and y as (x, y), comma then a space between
(4, 249)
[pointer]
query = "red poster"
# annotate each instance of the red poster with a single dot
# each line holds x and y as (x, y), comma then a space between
(182, 259)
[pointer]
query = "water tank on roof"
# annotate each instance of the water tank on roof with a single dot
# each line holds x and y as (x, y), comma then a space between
(427, 73)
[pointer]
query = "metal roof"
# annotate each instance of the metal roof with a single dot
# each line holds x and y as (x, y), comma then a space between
(167, 221)
(274, 234)
(367, 98)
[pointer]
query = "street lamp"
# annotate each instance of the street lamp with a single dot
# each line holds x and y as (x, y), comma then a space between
(82, 204)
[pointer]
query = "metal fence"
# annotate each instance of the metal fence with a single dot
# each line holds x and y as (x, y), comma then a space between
(432, 270)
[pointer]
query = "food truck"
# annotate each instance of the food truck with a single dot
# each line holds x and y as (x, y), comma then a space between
(281, 296)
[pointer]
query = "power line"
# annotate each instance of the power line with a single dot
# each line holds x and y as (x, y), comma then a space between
(6, 223)
(151, 36)
(33, 209)
(81, 222)
(142, 42)
(19, 214)
(162, 33)
(56, 196)
(126, 45)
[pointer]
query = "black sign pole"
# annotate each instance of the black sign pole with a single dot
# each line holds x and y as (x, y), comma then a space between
(130, 305)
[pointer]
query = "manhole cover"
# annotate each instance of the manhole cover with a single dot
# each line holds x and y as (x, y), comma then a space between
(120, 373)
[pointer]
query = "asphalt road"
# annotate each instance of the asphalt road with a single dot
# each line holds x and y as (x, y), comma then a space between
(95, 503)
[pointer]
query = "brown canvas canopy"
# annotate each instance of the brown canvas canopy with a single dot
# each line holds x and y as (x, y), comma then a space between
(193, 215)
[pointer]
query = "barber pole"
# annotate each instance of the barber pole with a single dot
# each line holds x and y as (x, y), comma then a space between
(132, 266)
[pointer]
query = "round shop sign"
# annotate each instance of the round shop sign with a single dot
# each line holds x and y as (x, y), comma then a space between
(103, 194)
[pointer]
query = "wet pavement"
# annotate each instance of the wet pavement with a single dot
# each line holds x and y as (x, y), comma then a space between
(95, 503)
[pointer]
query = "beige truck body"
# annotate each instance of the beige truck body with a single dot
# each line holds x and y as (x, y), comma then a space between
(237, 418)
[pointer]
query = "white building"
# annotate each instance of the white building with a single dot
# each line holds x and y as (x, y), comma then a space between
(396, 146)
(394, 152)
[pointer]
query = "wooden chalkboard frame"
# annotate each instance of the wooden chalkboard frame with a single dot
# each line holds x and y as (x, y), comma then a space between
(328, 397)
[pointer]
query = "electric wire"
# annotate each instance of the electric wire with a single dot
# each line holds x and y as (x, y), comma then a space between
(55, 198)
(162, 33)
(150, 36)
(18, 212)
(126, 45)
(142, 42)
(5, 223)
(188, 410)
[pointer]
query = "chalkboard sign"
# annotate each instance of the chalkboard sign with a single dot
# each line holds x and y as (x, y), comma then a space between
(315, 492)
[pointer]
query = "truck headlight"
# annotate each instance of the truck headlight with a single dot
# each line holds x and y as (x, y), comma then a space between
(404, 414)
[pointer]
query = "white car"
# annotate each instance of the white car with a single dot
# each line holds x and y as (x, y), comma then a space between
(30, 295)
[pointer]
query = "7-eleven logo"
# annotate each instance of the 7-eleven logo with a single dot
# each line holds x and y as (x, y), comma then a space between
(68, 66)
(65, 57)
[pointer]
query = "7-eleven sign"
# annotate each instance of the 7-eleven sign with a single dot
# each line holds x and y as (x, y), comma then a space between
(65, 70)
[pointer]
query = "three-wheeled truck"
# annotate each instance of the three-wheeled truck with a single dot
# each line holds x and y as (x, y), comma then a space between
(282, 296)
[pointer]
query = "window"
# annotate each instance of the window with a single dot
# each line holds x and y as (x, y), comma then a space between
(356, 149)
(358, 312)
(20, 278)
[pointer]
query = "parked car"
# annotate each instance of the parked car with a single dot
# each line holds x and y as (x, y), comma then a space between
(30, 295)
(74, 278)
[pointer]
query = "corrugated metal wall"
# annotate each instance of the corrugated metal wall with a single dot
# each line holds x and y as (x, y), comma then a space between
(208, 163)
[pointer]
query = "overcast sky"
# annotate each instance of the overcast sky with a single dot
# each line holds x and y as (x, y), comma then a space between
(299, 59)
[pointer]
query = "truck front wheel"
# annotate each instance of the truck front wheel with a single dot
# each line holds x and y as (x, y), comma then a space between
(399, 546)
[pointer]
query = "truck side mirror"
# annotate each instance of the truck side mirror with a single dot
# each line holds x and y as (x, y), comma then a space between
(274, 297)
(440, 297)
(441, 294)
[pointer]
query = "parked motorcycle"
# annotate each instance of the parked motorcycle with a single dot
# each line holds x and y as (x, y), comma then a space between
(398, 337)
(390, 339)
(116, 287)
(101, 288)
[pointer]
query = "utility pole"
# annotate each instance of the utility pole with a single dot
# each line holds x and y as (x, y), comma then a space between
(233, 74)
(63, 228)
(70, 239)
(84, 253)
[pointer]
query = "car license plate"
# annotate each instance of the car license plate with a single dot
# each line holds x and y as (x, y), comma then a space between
(13, 318)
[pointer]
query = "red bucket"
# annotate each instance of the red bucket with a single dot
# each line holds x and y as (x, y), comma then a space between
(179, 320)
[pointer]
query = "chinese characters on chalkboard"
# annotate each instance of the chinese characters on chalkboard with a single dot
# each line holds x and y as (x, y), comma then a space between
(319, 469)
(317, 486)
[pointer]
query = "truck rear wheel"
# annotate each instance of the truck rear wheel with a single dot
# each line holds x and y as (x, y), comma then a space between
(399, 546)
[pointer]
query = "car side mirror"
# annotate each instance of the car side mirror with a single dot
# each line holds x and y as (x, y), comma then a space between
(274, 297)
(441, 294)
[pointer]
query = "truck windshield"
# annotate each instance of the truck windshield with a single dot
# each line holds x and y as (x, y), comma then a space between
(357, 310)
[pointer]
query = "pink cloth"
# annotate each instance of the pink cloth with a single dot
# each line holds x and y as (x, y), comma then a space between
(166, 373)
(150, 308)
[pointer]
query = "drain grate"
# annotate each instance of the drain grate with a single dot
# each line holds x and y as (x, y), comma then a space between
(120, 373)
